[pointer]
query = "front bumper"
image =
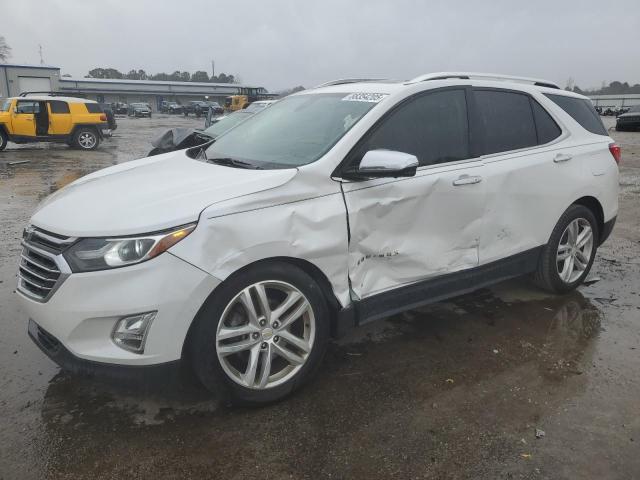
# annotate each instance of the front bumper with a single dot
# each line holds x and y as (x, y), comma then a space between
(52, 347)
(83, 311)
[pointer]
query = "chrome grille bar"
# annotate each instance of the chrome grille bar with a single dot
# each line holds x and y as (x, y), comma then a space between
(42, 269)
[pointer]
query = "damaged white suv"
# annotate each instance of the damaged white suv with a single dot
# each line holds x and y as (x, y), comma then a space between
(336, 206)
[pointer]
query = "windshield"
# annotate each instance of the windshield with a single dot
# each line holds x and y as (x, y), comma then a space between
(226, 123)
(292, 132)
(635, 108)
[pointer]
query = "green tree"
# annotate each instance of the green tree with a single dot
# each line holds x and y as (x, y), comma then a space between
(200, 76)
(5, 50)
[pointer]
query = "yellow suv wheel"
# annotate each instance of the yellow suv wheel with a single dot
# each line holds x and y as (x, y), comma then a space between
(3, 140)
(86, 139)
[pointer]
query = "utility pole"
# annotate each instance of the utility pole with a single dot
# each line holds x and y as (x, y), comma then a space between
(213, 68)
(41, 57)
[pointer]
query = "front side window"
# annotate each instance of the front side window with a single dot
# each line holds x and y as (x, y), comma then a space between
(294, 131)
(5, 106)
(433, 127)
(507, 119)
(28, 107)
(582, 111)
(59, 107)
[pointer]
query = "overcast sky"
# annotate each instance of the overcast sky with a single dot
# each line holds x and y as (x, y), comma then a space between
(284, 43)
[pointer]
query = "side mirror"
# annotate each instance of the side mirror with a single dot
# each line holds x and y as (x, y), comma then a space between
(387, 163)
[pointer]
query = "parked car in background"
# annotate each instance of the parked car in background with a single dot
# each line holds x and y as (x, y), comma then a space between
(107, 108)
(120, 108)
(52, 118)
(139, 110)
(196, 107)
(629, 120)
(332, 208)
(215, 108)
(170, 107)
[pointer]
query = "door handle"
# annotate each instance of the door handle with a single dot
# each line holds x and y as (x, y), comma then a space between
(466, 180)
(562, 157)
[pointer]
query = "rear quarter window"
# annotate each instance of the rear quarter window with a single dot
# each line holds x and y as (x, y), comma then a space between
(93, 108)
(582, 111)
(58, 106)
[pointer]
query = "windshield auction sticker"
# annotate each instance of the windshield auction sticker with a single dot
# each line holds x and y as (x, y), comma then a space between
(365, 97)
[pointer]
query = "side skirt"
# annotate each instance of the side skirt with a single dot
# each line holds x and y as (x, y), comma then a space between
(439, 288)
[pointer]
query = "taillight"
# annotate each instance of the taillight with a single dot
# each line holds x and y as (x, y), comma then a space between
(615, 150)
(103, 118)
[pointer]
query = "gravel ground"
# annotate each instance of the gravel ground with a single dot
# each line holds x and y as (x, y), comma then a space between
(455, 390)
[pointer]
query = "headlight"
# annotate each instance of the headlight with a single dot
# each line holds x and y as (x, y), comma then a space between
(92, 254)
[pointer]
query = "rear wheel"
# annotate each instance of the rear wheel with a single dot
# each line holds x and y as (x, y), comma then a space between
(567, 258)
(86, 139)
(3, 140)
(261, 335)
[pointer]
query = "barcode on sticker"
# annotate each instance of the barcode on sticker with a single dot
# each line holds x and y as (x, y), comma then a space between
(365, 97)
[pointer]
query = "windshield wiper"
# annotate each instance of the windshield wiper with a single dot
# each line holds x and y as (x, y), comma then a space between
(232, 162)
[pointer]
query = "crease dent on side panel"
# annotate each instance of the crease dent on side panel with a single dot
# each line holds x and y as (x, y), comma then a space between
(313, 230)
(394, 253)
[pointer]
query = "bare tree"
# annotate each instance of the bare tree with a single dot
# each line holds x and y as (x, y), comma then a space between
(5, 50)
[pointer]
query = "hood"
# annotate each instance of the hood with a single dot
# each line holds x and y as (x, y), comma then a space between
(148, 195)
(629, 114)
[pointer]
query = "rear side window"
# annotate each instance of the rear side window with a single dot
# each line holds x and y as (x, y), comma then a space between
(582, 111)
(58, 106)
(546, 126)
(507, 118)
(93, 108)
(433, 127)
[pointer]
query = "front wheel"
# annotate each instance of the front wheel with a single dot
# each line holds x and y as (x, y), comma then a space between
(261, 335)
(3, 140)
(567, 258)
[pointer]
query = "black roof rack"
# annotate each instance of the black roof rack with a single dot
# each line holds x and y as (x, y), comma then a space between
(54, 94)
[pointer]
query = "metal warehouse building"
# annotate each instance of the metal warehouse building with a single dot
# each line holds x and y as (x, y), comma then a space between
(15, 79)
(622, 100)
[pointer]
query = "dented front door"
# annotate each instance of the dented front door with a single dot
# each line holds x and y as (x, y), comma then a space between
(411, 229)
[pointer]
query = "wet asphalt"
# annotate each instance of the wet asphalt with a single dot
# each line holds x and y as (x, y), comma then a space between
(457, 390)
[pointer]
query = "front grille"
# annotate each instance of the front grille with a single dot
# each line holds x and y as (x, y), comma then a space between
(39, 270)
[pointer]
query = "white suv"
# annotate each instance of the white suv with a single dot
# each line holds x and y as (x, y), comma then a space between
(336, 206)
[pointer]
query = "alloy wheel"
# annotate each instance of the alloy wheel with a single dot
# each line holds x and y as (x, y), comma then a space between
(87, 140)
(265, 335)
(574, 250)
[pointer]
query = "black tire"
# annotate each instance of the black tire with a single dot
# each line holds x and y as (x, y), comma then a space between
(547, 276)
(3, 140)
(202, 339)
(83, 133)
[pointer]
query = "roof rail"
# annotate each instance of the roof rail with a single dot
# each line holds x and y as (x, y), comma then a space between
(53, 94)
(344, 81)
(482, 76)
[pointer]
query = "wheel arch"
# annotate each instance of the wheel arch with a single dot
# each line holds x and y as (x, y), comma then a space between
(593, 204)
(91, 126)
(306, 266)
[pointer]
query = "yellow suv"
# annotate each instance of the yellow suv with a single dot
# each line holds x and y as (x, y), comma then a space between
(49, 118)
